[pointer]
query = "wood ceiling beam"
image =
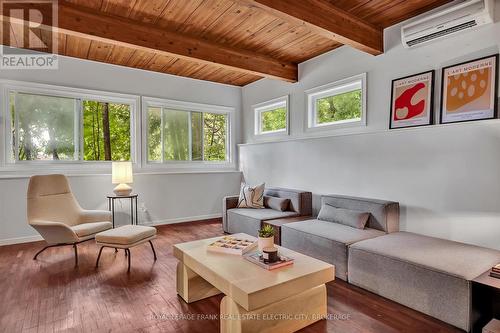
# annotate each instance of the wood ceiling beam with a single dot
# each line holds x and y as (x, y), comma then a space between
(82, 22)
(327, 20)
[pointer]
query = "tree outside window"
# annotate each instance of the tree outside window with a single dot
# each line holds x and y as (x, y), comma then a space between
(340, 107)
(274, 120)
(106, 131)
(215, 137)
(46, 127)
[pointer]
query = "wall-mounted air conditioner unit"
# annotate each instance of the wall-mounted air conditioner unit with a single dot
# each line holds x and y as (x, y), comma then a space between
(451, 20)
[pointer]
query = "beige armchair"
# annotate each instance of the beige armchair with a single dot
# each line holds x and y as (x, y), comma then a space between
(54, 212)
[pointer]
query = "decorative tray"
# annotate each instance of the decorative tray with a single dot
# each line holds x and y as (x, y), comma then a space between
(232, 245)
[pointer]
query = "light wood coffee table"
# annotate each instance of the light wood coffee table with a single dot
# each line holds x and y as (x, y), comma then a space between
(256, 300)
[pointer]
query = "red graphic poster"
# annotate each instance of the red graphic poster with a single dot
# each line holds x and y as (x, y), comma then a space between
(412, 101)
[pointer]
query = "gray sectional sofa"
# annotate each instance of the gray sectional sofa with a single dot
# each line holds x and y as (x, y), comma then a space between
(329, 241)
(428, 274)
(248, 220)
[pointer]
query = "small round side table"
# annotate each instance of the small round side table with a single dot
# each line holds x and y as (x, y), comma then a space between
(133, 199)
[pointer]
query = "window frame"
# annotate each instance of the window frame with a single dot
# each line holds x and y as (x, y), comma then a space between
(9, 150)
(333, 89)
(147, 102)
(260, 108)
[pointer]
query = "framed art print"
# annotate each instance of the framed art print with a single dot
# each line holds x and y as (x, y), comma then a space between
(412, 101)
(469, 90)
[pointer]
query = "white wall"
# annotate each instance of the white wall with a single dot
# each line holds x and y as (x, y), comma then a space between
(446, 177)
(167, 197)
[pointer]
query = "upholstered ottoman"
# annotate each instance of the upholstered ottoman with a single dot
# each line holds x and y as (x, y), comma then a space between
(125, 238)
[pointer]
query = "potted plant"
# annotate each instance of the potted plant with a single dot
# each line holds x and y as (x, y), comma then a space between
(266, 237)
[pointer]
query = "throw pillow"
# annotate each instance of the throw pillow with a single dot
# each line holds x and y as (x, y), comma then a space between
(251, 197)
(351, 218)
(280, 204)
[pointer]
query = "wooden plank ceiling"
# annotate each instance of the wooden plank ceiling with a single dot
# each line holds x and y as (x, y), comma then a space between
(235, 42)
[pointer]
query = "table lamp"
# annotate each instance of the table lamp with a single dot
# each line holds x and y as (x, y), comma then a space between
(121, 175)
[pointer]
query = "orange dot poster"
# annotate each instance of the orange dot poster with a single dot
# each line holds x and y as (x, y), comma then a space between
(469, 90)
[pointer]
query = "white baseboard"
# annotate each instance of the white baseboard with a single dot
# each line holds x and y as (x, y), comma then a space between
(19, 240)
(183, 219)
(35, 238)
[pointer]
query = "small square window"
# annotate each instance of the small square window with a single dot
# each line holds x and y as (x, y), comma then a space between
(338, 104)
(271, 117)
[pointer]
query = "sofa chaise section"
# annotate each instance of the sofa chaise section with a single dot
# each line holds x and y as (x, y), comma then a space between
(249, 220)
(329, 241)
(428, 274)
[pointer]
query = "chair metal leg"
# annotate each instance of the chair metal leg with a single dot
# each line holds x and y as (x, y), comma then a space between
(76, 255)
(128, 251)
(45, 248)
(98, 257)
(153, 248)
(64, 244)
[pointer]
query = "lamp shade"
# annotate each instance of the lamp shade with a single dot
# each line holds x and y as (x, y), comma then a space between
(122, 173)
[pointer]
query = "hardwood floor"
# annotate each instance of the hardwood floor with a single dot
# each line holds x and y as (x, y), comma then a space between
(50, 295)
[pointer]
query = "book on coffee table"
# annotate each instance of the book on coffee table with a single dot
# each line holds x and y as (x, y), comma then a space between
(232, 245)
(495, 275)
(256, 258)
(495, 271)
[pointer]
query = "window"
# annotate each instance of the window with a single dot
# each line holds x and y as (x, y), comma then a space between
(63, 126)
(189, 132)
(54, 126)
(340, 103)
(272, 117)
(45, 127)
